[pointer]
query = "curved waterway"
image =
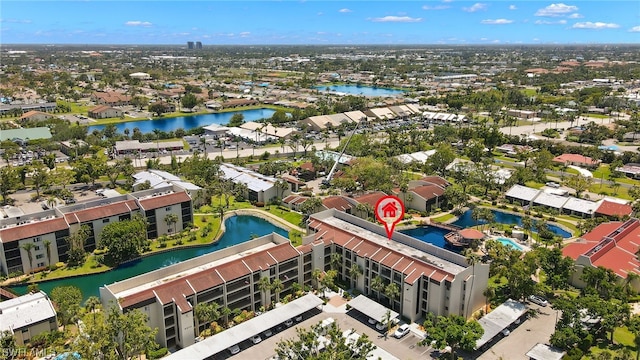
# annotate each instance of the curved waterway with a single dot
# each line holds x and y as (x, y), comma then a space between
(360, 90)
(188, 122)
(238, 230)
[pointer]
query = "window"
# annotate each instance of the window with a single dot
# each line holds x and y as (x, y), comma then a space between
(40, 264)
(36, 248)
(39, 256)
(168, 208)
(36, 239)
(104, 221)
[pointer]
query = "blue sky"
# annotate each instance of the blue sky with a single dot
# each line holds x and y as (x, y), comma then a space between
(319, 22)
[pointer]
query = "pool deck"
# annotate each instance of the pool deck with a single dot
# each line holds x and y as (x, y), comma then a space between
(520, 244)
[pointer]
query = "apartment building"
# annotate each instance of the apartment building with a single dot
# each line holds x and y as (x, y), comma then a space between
(48, 230)
(430, 279)
(27, 316)
(230, 277)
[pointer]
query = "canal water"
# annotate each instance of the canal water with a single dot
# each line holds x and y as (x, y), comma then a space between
(238, 229)
(361, 90)
(188, 122)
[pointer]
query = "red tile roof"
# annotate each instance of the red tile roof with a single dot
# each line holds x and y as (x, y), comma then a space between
(610, 208)
(101, 212)
(412, 268)
(30, 230)
(611, 245)
(471, 234)
(428, 192)
(371, 198)
(437, 180)
(156, 202)
(337, 202)
(576, 159)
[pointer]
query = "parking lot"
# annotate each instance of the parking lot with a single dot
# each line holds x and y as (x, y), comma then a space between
(405, 348)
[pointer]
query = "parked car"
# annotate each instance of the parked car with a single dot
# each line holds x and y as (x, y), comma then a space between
(553, 184)
(380, 326)
(401, 331)
(256, 339)
(506, 332)
(267, 333)
(234, 349)
(538, 300)
(288, 322)
(298, 318)
(372, 321)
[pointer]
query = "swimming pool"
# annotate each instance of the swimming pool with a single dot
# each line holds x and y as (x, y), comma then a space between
(510, 243)
(466, 220)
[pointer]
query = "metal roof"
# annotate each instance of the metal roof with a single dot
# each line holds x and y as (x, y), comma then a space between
(551, 200)
(24, 134)
(221, 341)
(371, 308)
(254, 180)
(499, 319)
(25, 311)
(545, 352)
(522, 192)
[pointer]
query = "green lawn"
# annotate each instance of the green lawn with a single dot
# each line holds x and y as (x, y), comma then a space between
(90, 266)
(604, 172)
(287, 215)
(443, 218)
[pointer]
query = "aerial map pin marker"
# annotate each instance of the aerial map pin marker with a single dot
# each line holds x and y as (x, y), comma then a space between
(389, 211)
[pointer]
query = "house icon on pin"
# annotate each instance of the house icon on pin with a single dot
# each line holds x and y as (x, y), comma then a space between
(389, 210)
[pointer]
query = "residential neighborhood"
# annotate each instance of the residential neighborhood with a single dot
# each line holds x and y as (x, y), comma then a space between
(214, 201)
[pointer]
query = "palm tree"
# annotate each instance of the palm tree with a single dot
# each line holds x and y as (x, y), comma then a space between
(316, 274)
(47, 246)
(225, 311)
(206, 313)
(527, 224)
(277, 286)
(472, 259)
(264, 284)
(335, 260)
(92, 304)
(28, 247)
(171, 219)
(355, 272)
(392, 291)
(377, 285)
(489, 293)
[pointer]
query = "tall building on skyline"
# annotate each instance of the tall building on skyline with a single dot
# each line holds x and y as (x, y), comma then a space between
(198, 45)
(189, 45)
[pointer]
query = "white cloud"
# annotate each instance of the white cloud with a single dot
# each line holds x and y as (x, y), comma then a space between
(344, 11)
(475, 7)
(595, 25)
(447, 1)
(245, 34)
(559, 9)
(437, 7)
(547, 22)
(513, 7)
(496, 21)
(138, 23)
(575, 16)
(404, 19)
(635, 29)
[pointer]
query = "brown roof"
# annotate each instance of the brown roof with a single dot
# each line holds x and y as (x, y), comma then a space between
(575, 158)
(336, 202)
(428, 192)
(100, 108)
(436, 180)
(34, 112)
(30, 230)
(371, 198)
(156, 202)
(101, 212)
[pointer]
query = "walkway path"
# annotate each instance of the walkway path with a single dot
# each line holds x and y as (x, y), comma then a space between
(583, 172)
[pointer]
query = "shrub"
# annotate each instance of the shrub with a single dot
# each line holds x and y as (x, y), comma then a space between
(157, 354)
(178, 242)
(259, 204)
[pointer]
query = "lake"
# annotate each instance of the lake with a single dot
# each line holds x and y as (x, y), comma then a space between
(188, 122)
(238, 230)
(361, 90)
